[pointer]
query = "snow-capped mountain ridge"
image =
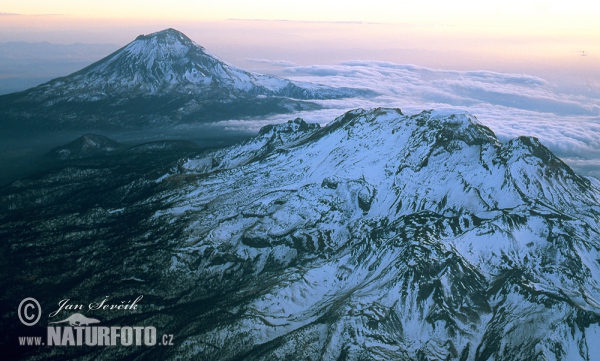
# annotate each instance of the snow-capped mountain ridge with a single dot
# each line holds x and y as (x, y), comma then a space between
(430, 206)
(379, 236)
(399, 146)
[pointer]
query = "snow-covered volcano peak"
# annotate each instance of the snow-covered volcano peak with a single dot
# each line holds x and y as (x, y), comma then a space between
(168, 36)
(156, 62)
(168, 44)
(168, 62)
(159, 79)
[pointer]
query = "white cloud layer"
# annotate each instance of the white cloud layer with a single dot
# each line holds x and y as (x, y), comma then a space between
(281, 63)
(510, 104)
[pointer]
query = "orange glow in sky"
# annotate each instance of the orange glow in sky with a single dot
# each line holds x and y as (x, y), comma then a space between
(544, 16)
(557, 41)
(533, 36)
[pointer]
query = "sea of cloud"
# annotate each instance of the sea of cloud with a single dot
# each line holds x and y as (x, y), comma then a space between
(567, 122)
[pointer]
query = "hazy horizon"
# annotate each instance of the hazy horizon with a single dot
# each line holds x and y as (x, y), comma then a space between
(570, 61)
(528, 68)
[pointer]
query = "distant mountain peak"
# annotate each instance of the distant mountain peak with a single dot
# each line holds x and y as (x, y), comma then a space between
(168, 61)
(168, 40)
(166, 34)
(155, 63)
(162, 78)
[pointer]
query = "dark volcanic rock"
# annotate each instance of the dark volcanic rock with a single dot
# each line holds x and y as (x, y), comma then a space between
(89, 145)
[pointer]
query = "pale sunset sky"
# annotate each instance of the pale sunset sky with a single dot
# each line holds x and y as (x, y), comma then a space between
(509, 35)
(543, 14)
(521, 66)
